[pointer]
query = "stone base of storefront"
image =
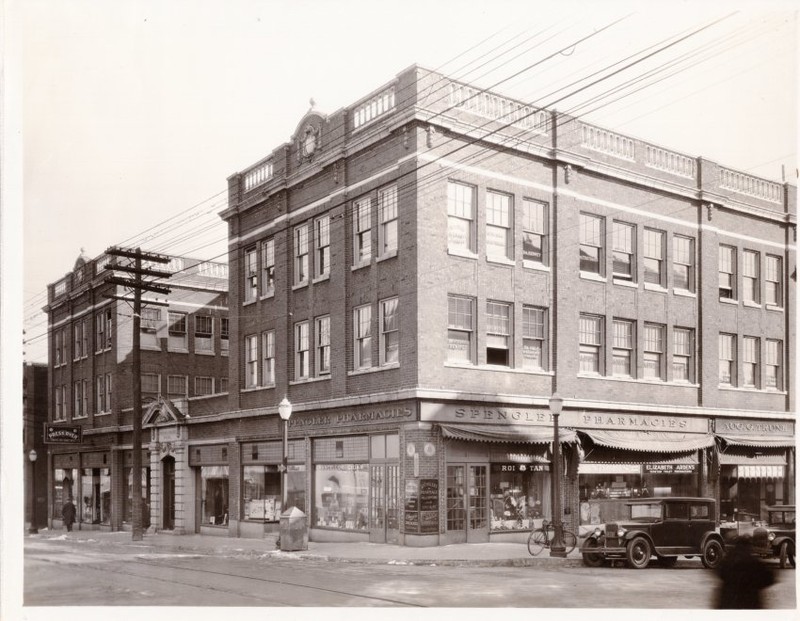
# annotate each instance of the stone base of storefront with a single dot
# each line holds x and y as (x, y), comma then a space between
(420, 541)
(258, 530)
(324, 535)
(515, 537)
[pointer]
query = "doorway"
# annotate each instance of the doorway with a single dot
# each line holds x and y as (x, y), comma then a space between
(168, 518)
(467, 503)
(384, 491)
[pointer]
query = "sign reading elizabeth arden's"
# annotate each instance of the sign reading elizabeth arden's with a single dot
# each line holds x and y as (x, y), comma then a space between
(62, 434)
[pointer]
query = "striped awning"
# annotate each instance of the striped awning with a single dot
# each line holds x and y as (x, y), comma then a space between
(650, 441)
(759, 441)
(506, 433)
(759, 472)
(739, 459)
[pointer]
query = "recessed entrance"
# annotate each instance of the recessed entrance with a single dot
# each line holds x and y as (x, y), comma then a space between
(168, 478)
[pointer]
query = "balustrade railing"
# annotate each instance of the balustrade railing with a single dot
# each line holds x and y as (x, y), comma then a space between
(607, 142)
(373, 108)
(491, 106)
(669, 161)
(752, 186)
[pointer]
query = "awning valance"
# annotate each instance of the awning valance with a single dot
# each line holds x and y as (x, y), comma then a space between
(650, 441)
(505, 433)
(739, 459)
(759, 472)
(759, 441)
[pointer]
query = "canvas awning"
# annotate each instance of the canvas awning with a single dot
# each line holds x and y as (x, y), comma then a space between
(739, 459)
(505, 433)
(758, 441)
(650, 441)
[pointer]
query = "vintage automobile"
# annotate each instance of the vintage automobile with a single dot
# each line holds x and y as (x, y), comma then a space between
(774, 538)
(664, 527)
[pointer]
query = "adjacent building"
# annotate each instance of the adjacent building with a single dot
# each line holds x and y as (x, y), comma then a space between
(34, 417)
(184, 369)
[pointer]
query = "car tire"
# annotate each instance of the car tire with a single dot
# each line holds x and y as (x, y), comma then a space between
(638, 553)
(591, 559)
(667, 561)
(787, 554)
(713, 553)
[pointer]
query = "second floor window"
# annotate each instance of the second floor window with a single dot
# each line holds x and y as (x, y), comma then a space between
(224, 336)
(499, 241)
(362, 330)
(534, 337)
(322, 246)
(498, 333)
(387, 214)
(268, 267)
(204, 333)
(624, 239)
(151, 387)
(268, 358)
(100, 394)
(302, 353)
(727, 273)
(203, 386)
(362, 231)
(590, 335)
(250, 361)
(750, 276)
(653, 351)
(773, 275)
(591, 240)
(250, 275)
(61, 404)
(301, 254)
(460, 217)
(77, 348)
(322, 334)
(654, 257)
(727, 359)
(460, 329)
(750, 359)
(176, 387)
(534, 231)
(151, 317)
(683, 263)
(390, 332)
(624, 346)
(682, 355)
(772, 365)
(177, 331)
(59, 347)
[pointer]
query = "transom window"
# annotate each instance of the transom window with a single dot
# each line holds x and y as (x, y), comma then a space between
(591, 239)
(460, 329)
(534, 231)
(624, 240)
(498, 226)
(460, 217)
(498, 333)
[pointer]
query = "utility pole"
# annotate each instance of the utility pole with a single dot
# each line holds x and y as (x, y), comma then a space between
(137, 285)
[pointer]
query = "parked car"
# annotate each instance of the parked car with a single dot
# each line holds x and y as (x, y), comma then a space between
(773, 538)
(664, 527)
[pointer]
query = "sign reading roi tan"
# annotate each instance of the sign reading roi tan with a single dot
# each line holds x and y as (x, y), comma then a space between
(62, 434)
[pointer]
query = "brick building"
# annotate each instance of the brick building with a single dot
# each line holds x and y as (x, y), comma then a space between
(34, 416)
(184, 365)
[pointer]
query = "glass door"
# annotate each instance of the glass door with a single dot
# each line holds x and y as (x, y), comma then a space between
(478, 530)
(467, 519)
(384, 491)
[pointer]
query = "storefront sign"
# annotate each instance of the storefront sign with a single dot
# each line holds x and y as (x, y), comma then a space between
(352, 417)
(442, 412)
(60, 434)
(520, 467)
(670, 468)
(638, 422)
(421, 506)
(740, 426)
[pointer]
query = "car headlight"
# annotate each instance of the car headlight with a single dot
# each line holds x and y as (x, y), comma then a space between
(771, 536)
(621, 532)
(597, 532)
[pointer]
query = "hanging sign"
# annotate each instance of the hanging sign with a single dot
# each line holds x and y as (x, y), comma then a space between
(62, 434)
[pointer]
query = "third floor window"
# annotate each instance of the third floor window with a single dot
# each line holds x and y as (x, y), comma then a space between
(591, 240)
(534, 232)
(773, 276)
(461, 217)
(727, 273)
(499, 240)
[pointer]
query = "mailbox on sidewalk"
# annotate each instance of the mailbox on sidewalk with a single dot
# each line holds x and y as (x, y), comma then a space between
(294, 530)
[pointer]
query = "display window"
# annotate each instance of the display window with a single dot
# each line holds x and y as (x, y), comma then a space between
(214, 495)
(340, 496)
(63, 488)
(95, 496)
(128, 496)
(520, 494)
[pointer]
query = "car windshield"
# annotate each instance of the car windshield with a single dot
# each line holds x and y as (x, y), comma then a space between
(781, 517)
(650, 512)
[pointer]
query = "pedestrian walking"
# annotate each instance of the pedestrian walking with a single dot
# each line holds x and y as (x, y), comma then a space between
(68, 514)
(743, 577)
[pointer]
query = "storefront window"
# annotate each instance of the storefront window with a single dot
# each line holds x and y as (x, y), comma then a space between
(96, 496)
(214, 495)
(520, 493)
(128, 497)
(262, 493)
(340, 496)
(63, 488)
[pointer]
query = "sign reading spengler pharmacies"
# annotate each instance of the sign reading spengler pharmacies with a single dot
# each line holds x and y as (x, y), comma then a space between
(62, 434)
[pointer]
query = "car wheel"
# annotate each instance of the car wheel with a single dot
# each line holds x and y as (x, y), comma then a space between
(667, 561)
(787, 554)
(591, 559)
(712, 554)
(639, 553)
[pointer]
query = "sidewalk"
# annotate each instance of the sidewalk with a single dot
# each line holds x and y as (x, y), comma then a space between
(464, 554)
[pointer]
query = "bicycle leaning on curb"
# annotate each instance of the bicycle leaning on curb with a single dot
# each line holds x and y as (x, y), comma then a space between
(541, 538)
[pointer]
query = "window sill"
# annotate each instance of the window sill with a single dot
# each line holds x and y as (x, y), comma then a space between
(593, 277)
(205, 353)
(655, 288)
(102, 414)
(533, 265)
(751, 304)
(360, 265)
(646, 381)
(371, 370)
(178, 351)
(594, 376)
(389, 255)
(257, 388)
(497, 368)
(504, 261)
(266, 296)
(625, 283)
(150, 348)
(684, 293)
(300, 285)
(249, 302)
(322, 278)
(463, 254)
(309, 380)
(729, 301)
(750, 389)
(84, 417)
(776, 309)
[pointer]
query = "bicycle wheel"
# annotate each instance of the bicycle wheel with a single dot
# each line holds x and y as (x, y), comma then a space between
(537, 541)
(570, 541)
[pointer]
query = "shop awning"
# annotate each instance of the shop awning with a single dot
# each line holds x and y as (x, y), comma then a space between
(759, 472)
(739, 459)
(505, 433)
(759, 441)
(650, 441)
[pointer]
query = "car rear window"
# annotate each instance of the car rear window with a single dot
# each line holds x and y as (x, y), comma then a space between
(699, 512)
(676, 511)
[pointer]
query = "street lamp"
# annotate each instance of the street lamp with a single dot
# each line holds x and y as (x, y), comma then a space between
(32, 456)
(285, 411)
(557, 547)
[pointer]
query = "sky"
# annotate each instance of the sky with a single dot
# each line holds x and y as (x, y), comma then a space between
(123, 120)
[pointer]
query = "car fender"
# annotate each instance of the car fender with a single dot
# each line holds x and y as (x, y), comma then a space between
(776, 543)
(631, 534)
(709, 536)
